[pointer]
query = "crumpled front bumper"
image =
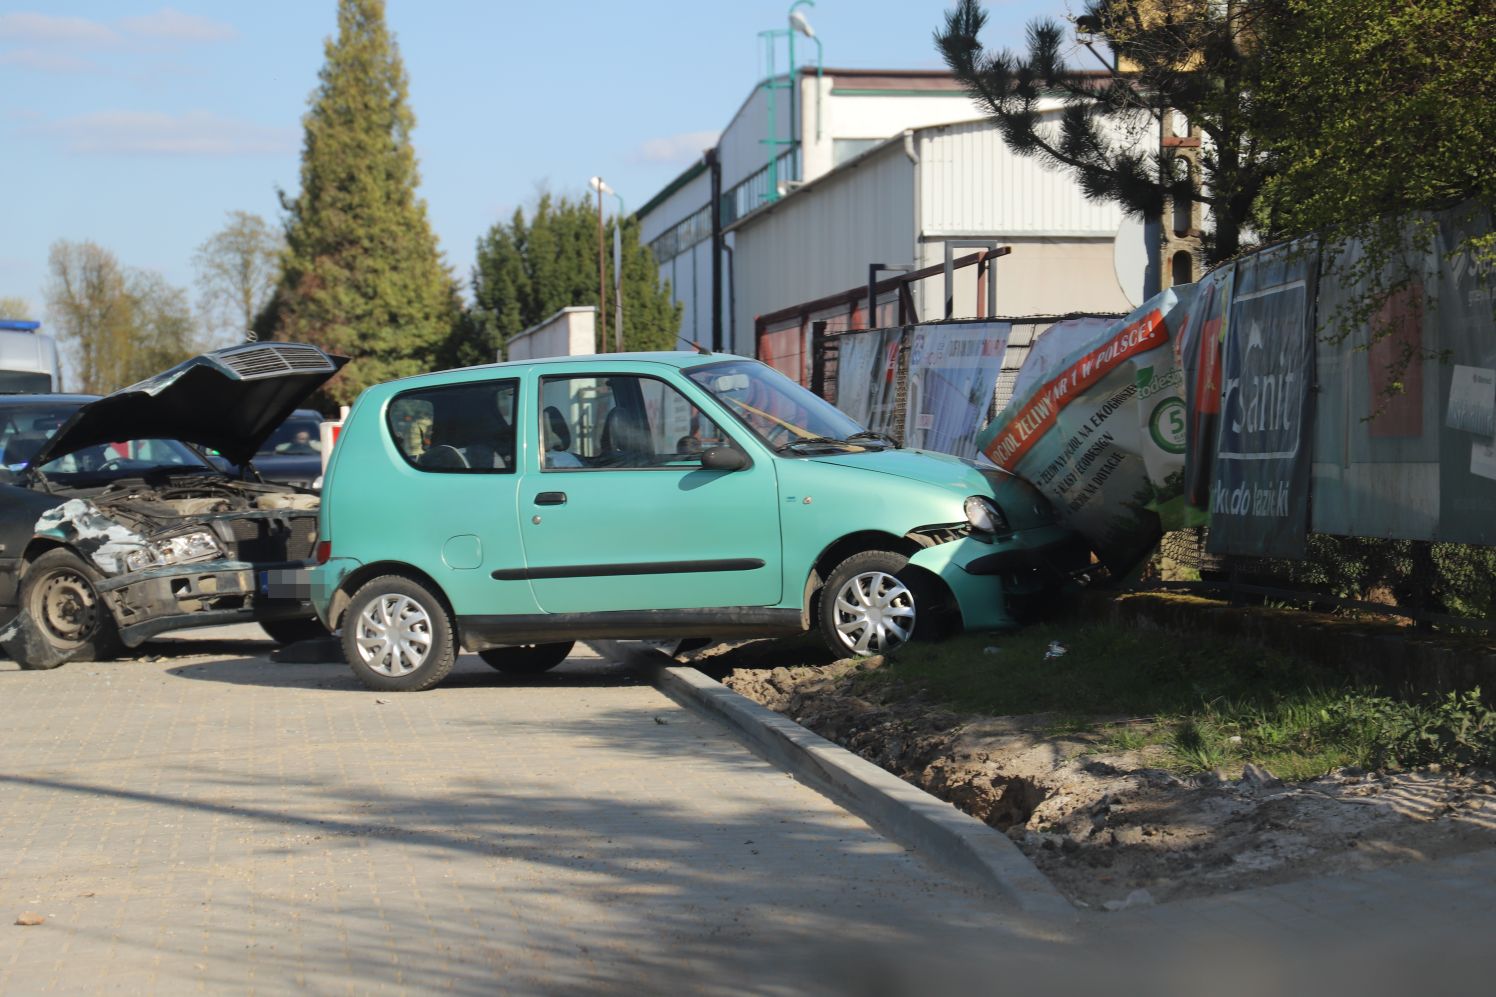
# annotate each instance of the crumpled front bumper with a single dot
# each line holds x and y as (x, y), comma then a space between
(209, 593)
(989, 580)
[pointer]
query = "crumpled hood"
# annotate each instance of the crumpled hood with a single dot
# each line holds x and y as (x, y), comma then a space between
(1023, 504)
(229, 400)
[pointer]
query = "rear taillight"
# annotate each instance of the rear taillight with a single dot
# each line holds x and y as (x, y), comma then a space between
(322, 553)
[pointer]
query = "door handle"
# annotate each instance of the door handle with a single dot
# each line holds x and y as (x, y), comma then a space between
(551, 498)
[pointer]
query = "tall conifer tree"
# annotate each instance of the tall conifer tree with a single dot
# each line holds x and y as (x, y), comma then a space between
(362, 275)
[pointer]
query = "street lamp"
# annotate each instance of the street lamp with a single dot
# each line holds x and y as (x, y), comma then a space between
(600, 185)
(798, 23)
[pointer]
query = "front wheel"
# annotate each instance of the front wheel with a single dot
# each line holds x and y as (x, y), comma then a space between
(527, 659)
(870, 605)
(397, 635)
(62, 617)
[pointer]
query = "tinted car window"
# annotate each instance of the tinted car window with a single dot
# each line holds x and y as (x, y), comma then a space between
(456, 429)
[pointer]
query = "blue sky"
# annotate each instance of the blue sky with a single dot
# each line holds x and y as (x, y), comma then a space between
(139, 126)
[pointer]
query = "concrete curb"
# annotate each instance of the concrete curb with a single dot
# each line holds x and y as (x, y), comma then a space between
(957, 842)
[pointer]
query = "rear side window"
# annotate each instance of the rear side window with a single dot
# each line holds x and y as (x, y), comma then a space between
(457, 428)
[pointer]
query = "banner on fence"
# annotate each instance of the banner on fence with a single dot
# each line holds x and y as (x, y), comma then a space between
(867, 368)
(1198, 352)
(1259, 495)
(1103, 435)
(952, 374)
(1405, 427)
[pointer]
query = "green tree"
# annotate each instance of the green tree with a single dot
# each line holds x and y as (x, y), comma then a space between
(118, 324)
(16, 308)
(527, 270)
(361, 274)
(237, 268)
(1374, 109)
(1196, 57)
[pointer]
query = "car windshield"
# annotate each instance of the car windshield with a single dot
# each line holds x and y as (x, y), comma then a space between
(297, 435)
(25, 428)
(777, 410)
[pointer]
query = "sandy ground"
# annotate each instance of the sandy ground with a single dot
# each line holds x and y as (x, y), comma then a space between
(1118, 829)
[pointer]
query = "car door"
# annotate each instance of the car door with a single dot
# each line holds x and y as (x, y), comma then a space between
(617, 512)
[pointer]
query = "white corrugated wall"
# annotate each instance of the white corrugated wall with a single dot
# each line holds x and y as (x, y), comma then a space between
(972, 183)
(820, 240)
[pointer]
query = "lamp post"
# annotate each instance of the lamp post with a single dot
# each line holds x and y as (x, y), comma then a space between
(799, 24)
(602, 271)
(601, 186)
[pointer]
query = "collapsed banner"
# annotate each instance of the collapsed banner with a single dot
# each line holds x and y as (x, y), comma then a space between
(952, 375)
(1259, 494)
(1103, 436)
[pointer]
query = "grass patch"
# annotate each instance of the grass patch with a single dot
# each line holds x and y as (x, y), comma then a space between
(1214, 703)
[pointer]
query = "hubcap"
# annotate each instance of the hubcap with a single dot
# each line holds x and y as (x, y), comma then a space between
(68, 608)
(393, 635)
(874, 613)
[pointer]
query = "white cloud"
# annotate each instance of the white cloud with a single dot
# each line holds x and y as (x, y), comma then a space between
(27, 26)
(173, 25)
(152, 133)
(676, 148)
(165, 25)
(43, 61)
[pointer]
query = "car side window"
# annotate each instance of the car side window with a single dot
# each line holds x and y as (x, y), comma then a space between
(620, 421)
(456, 429)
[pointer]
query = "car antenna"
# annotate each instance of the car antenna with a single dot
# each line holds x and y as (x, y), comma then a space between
(702, 350)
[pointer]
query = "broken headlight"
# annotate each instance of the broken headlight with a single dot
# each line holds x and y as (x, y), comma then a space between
(984, 515)
(184, 549)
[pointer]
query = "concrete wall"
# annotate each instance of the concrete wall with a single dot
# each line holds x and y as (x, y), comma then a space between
(571, 332)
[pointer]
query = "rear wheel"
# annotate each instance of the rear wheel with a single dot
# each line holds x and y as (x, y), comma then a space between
(871, 604)
(397, 635)
(293, 631)
(63, 618)
(527, 659)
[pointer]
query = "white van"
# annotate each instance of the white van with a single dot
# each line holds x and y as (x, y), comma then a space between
(28, 359)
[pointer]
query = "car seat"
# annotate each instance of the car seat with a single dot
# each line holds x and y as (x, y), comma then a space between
(622, 433)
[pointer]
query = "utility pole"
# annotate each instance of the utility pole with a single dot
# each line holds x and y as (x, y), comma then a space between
(602, 274)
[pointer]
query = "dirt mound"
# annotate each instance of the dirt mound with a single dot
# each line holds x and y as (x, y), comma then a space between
(1119, 829)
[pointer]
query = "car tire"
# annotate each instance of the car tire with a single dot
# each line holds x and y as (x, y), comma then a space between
(293, 631)
(398, 636)
(63, 618)
(527, 659)
(871, 604)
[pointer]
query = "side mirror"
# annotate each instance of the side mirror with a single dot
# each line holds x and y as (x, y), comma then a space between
(728, 458)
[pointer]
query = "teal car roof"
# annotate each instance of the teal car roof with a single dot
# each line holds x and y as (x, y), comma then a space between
(681, 359)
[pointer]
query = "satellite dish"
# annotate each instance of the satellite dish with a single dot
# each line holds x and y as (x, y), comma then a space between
(1130, 259)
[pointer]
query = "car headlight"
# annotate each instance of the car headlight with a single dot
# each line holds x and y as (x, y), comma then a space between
(184, 549)
(985, 516)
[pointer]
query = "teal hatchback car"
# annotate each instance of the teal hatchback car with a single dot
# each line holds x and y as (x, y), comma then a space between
(512, 509)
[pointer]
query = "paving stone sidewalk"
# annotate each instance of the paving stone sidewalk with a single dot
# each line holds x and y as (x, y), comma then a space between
(215, 822)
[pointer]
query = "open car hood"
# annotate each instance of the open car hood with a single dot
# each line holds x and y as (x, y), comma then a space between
(229, 400)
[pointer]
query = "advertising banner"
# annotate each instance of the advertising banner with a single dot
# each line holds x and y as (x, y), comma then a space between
(867, 366)
(1259, 498)
(1103, 435)
(952, 375)
(1198, 352)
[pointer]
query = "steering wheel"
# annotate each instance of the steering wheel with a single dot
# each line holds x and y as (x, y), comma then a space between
(115, 463)
(443, 455)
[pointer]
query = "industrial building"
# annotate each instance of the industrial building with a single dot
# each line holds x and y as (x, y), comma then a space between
(824, 172)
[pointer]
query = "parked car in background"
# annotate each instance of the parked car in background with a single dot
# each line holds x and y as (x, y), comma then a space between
(291, 454)
(514, 508)
(115, 526)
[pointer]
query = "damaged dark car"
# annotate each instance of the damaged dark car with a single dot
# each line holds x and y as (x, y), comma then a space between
(115, 526)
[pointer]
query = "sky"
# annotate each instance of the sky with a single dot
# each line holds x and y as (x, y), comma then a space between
(141, 126)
